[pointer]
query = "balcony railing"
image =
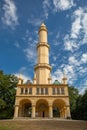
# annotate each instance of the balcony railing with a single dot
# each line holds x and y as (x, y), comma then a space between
(42, 91)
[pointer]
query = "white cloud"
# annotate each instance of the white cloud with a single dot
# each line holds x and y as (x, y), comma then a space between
(57, 75)
(62, 4)
(72, 69)
(56, 39)
(69, 71)
(82, 70)
(17, 44)
(22, 69)
(43, 15)
(23, 74)
(57, 35)
(84, 24)
(84, 58)
(54, 58)
(83, 87)
(53, 65)
(30, 54)
(82, 90)
(31, 40)
(75, 67)
(10, 14)
(73, 61)
(46, 6)
(76, 25)
(35, 21)
(78, 32)
(70, 44)
(79, 26)
(24, 77)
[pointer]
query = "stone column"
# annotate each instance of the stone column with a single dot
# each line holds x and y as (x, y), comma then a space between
(33, 111)
(50, 112)
(61, 113)
(33, 91)
(68, 112)
(65, 112)
(50, 91)
(16, 111)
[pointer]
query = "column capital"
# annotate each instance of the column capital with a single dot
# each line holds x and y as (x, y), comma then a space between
(16, 105)
(33, 105)
(67, 106)
(50, 105)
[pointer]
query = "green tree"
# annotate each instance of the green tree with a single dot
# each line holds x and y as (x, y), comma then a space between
(8, 84)
(82, 106)
(73, 96)
(78, 104)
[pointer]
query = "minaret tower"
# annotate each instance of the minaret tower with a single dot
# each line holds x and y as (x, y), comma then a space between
(42, 69)
(64, 79)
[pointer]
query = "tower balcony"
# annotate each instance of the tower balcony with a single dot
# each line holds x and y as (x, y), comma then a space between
(42, 90)
(42, 65)
(43, 44)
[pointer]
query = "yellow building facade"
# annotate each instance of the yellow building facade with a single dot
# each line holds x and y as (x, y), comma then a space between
(42, 98)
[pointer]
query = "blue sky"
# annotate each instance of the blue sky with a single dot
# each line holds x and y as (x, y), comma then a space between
(66, 21)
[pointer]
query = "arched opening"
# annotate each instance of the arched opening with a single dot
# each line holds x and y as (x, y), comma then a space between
(25, 109)
(42, 108)
(56, 112)
(59, 108)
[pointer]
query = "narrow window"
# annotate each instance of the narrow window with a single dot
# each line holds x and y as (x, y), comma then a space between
(62, 90)
(30, 90)
(58, 90)
(42, 91)
(22, 90)
(26, 91)
(37, 90)
(46, 90)
(53, 91)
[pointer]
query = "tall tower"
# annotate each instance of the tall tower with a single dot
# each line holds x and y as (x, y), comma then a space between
(39, 99)
(42, 69)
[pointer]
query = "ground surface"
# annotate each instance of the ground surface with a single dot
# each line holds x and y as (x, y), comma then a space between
(40, 124)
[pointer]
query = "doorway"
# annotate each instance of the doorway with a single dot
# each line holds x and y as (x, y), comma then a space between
(42, 108)
(43, 114)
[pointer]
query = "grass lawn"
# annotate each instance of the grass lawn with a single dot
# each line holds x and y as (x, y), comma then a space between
(39, 124)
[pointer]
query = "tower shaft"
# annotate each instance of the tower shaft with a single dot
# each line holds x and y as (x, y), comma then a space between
(42, 69)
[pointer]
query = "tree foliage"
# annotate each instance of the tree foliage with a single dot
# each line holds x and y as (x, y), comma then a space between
(7, 94)
(78, 104)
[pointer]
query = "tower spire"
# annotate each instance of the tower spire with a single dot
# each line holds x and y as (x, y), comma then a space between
(64, 79)
(20, 79)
